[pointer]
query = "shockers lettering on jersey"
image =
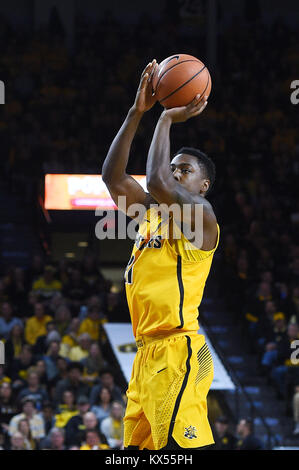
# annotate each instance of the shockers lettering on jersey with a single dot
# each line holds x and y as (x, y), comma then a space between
(190, 432)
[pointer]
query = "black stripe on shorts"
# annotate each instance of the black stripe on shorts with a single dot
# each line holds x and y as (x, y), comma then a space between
(184, 384)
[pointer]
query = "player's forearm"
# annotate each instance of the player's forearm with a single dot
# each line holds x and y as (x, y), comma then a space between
(158, 171)
(115, 164)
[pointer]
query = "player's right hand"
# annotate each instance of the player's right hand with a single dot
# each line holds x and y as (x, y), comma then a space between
(183, 113)
(145, 99)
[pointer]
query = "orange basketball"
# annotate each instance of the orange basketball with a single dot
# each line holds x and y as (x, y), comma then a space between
(179, 78)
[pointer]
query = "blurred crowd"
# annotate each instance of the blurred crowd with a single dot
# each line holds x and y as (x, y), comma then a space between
(62, 110)
(59, 387)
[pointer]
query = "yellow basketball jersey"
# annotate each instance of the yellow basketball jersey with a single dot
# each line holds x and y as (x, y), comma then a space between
(165, 279)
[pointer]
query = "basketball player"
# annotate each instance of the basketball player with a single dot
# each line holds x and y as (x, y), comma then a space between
(165, 279)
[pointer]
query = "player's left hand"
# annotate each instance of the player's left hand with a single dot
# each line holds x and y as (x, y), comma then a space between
(145, 99)
(183, 113)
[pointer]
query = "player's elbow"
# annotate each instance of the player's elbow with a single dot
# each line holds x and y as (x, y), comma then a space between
(106, 176)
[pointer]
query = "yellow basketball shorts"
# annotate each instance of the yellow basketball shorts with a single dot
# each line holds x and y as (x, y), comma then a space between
(167, 393)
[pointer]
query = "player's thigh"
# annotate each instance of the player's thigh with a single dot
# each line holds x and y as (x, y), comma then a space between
(137, 430)
(191, 428)
(178, 379)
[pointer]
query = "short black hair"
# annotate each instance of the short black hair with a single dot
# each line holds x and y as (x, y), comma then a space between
(75, 365)
(204, 162)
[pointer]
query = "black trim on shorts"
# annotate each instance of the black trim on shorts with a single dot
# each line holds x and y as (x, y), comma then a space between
(184, 384)
(181, 288)
(172, 445)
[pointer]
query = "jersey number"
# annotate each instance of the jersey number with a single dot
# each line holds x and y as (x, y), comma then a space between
(129, 271)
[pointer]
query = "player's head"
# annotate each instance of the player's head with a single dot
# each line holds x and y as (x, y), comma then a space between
(194, 170)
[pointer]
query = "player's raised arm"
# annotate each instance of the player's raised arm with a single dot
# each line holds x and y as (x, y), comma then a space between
(118, 182)
(182, 180)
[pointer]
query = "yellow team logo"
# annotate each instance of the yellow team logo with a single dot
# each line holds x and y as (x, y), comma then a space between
(190, 432)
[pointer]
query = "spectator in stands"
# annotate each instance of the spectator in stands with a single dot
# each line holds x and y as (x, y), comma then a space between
(272, 340)
(92, 323)
(18, 289)
(62, 319)
(4, 377)
(52, 355)
(72, 382)
(76, 289)
(24, 429)
(81, 351)
(36, 422)
(256, 308)
(295, 404)
(36, 325)
(48, 416)
(19, 367)
(93, 441)
(106, 380)
(247, 439)
(42, 342)
(41, 370)
(70, 339)
(102, 406)
(224, 439)
(46, 286)
(34, 389)
(61, 366)
(17, 441)
(8, 409)
(36, 269)
(90, 269)
(57, 439)
(112, 426)
(66, 410)
(7, 321)
(93, 364)
(15, 343)
(74, 425)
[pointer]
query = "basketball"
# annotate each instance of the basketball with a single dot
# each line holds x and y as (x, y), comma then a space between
(179, 78)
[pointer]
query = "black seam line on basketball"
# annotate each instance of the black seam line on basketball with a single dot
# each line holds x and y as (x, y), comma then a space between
(177, 89)
(181, 288)
(170, 68)
(184, 384)
(206, 85)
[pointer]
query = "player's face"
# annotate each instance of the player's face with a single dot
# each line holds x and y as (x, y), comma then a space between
(188, 173)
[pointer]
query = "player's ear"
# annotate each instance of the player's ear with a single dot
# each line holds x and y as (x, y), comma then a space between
(205, 184)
